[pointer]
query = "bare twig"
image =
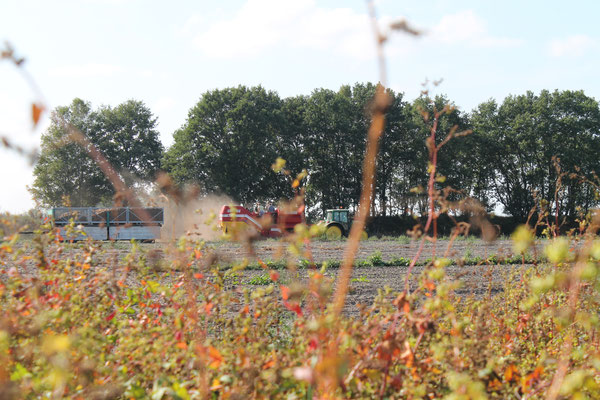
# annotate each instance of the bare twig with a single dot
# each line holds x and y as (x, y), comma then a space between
(433, 150)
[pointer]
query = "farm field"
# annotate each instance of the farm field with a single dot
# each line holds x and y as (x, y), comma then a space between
(389, 249)
(367, 279)
(188, 304)
(475, 280)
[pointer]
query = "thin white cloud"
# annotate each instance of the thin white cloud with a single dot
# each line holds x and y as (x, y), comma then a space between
(90, 70)
(266, 25)
(111, 2)
(263, 25)
(466, 27)
(572, 46)
(190, 26)
(163, 104)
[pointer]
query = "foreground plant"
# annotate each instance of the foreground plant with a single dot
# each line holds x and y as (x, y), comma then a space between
(79, 323)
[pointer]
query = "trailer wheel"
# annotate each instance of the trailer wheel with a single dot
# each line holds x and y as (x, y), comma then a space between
(333, 232)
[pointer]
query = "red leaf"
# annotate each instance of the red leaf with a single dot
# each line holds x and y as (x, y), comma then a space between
(111, 316)
(295, 307)
(274, 276)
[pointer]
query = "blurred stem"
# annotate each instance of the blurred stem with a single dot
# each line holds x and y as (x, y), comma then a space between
(380, 104)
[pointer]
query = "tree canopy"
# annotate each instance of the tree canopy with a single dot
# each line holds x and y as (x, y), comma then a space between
(229, 142)
(518, 140)
(126, 135)
(233, 135)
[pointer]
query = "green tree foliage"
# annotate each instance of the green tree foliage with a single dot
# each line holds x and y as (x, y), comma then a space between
(293, 139)
(337, 128)
(457, 164)
(233, 135)
(228, 143)
(125, 135)
(336, 124)
(396, 158)
(128, 137)
(520, 137)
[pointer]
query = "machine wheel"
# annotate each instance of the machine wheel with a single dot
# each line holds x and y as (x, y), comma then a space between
(333, 232)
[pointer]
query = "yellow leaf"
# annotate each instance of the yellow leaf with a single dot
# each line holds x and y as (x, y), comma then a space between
(216, 385)
(55, 344)
(557, 251)
(278, 165)
(522, 239)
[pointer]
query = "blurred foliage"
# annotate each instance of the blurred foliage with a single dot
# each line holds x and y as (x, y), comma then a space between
(78, 323)
(11, 224)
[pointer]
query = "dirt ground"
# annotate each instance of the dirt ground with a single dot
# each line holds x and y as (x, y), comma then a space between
(476, 280)
(389, 249)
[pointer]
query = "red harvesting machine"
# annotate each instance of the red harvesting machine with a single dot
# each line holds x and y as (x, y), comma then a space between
(268, 224)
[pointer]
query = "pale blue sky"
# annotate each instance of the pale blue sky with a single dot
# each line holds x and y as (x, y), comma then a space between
(168, 53)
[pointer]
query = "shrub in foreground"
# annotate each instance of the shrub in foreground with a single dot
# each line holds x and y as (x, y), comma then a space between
(80, 323)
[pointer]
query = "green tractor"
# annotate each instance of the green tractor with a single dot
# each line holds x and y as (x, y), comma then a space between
(337, 224)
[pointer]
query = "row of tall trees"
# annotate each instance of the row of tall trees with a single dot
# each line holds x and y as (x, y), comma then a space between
(232, 136)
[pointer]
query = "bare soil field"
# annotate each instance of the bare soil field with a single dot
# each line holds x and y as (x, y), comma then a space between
(389, 249)
(476, 280)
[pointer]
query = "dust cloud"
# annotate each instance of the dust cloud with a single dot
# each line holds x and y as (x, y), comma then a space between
(198, 219)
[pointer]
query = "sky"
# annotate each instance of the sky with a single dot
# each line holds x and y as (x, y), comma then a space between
(168, 54)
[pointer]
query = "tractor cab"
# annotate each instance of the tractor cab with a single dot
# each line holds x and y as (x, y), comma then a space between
(339, 216)
(337, 222)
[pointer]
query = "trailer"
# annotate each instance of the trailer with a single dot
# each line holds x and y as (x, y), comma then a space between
(117, 223)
